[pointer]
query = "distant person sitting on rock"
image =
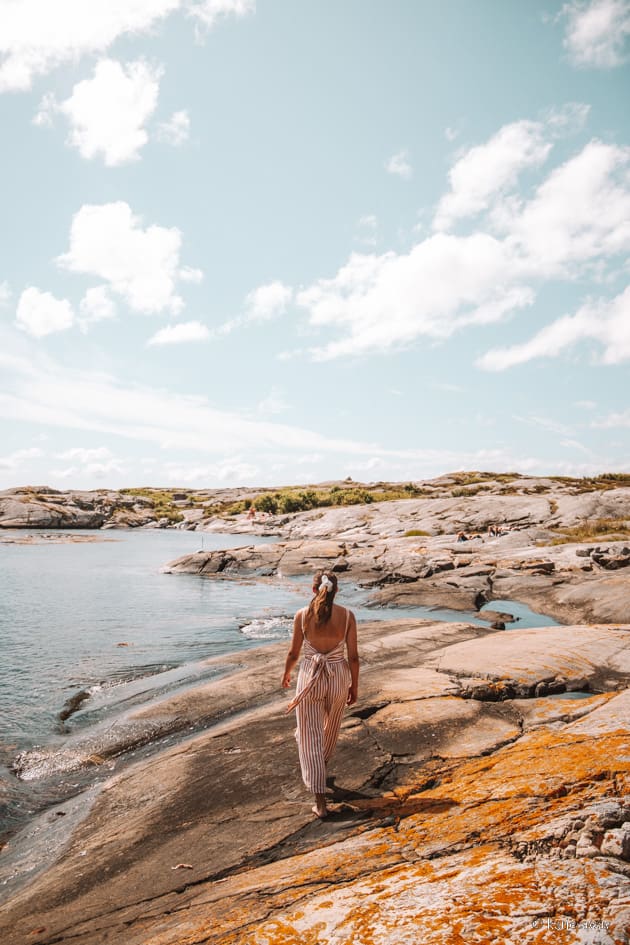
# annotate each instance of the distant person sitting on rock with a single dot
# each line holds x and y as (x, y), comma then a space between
(467, 536)
(327, 681)
(251, 515)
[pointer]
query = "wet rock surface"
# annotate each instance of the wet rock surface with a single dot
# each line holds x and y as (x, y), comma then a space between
(447, 812)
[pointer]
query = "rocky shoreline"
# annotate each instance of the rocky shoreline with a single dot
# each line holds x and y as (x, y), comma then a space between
(457, 801)
(408, 551)
(481, 788)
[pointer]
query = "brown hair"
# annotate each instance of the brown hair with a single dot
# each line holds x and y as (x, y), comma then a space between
(321, 605)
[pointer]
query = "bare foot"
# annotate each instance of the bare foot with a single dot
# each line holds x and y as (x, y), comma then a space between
(319, 808)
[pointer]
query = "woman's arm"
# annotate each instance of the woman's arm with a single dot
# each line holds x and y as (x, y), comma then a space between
(353, 660)
(294, 651)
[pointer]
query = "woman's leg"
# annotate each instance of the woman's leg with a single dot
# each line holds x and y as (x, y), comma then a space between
(337, 698)
(310, 739)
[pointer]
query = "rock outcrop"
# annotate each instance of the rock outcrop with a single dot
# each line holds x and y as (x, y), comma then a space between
(467, 819)
(42, 507)
(481, 788)
(409, 553)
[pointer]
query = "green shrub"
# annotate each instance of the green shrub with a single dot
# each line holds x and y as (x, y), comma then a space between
(351, 497)
(417, 533)
(266, 503)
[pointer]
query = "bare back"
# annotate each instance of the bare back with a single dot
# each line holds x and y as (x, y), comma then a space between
(325, 637)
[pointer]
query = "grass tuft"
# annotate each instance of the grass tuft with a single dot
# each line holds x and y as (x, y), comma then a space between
(614, 529)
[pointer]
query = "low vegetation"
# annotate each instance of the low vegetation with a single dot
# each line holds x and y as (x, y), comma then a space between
(417, 533)
(594, 483)
(461, 492)
(162, 502)
(168, 503)
(285, 501)
(612, 529)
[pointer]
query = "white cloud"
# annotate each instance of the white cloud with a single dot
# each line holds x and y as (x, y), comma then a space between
(45, 115)
(38, 390)
(368, 230)
(140, 265)
(230, 470)
(488, 169)
(596, 32)
(606, 322)
(188, 274)
(176, 130)
(96, 463)
(579, 213)
(546, 423)
(569, 118)
(390, 300)
(262, 304)
(575, 445)
(180, 334)
(208, 12)
(95, 306)
(89, 464)
(585, 404)
(19, 458)
(85, 455)
(273, 403)
(107, 113)
(451, 133)
(578, 219)
(40, 313)
(36, 36)
(614, 420)
(5, 294)
(399, 165)
(268, 301)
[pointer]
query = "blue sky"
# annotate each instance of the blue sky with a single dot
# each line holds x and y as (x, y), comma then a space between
(287, 241)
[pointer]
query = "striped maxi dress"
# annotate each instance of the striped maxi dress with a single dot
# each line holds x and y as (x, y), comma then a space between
(320, 698)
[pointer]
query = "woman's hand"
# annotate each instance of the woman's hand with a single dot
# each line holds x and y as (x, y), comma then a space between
(286, 680)
(352, 695)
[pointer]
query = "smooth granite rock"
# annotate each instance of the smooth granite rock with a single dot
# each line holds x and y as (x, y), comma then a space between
(448, 813)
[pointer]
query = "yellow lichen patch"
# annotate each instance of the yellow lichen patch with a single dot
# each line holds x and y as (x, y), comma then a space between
(482, 898)
(453, 866)
(517, 789)
(524, 769)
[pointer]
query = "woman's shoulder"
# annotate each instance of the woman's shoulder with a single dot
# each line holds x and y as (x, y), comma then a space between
(341, 609)
(343, 615)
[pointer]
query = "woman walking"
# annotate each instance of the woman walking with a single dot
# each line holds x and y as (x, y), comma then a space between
(327, 680)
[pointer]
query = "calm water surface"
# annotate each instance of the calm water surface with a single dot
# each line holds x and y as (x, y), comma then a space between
(65, 608)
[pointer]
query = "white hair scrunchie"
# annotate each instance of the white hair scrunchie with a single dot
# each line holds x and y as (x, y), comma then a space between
(326, 582)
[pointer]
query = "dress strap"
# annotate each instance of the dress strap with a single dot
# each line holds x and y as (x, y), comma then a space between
(345, 633)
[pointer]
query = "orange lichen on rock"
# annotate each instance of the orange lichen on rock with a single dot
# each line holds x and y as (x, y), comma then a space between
(478, 885)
